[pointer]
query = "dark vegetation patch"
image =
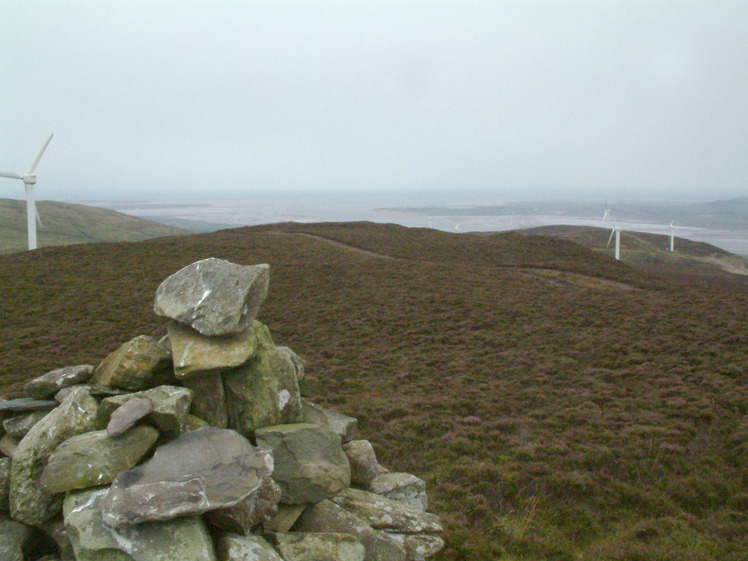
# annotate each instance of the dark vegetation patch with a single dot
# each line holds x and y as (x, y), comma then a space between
(552, 419)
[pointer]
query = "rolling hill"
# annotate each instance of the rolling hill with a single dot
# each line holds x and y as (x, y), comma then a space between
(65, 224)
(560, 404)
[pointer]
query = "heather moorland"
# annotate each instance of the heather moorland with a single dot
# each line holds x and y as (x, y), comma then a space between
(560, 404)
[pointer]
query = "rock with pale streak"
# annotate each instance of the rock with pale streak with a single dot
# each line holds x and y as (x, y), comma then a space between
(183, 539)
(326, 516)
(139, 364)
(214, 296)
(127, 414)
(200, 471)
(195, 354)
(30, 502)
(310, 464)
(385, 514)
(95, 458)
(403, 487)
(245, 548)
(171, 405)
(327, 546)
(49, 384)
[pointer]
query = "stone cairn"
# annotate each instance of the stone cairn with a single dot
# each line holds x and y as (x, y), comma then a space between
(199, 447)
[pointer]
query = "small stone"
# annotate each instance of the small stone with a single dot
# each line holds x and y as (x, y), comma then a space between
(19, 426)
(214, 296)
(195, 354)
(171, 405)
(328, 546)
(245, 548)
(363, 460)
(200, 471)
(95, 458)
(403, 487)
(297, 361)
(343, 425)
(139, 364)
(49, 384)
(284, 520)
(310, 464)
(127, 414)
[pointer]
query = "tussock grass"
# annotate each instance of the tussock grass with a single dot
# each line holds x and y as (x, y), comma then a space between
(588, 411)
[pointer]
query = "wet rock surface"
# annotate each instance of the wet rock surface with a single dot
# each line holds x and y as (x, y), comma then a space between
(204, 428)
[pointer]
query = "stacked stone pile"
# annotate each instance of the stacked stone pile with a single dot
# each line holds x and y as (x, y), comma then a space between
(199, 447)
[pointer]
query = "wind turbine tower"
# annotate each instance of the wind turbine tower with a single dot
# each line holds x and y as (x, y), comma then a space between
(29, 180)
(617, 233)
(672, 236)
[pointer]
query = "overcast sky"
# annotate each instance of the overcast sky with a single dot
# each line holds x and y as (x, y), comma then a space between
(524, 99)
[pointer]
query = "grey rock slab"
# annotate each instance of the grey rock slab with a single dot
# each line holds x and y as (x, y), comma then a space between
(326, 516)
(20, 425)
(95, 458)
(208, 398)
(264, 391)
(200, 471)
(258, 507)
(98, 392)
(9, 445)
(310, 464)
(419, 547)
(30, 502)
(403, 487)
(13, 536)
(127, 414)
(284, 519)
(171, 405)
(363, 460)
(386, 514)
(4, 483)
(183, 539)
(296, 360)
(343, 425)
(327, 546)
(195, 354)
(49, 384)
(214, 296)
(26, 404)
(139, 364)
(245, 548)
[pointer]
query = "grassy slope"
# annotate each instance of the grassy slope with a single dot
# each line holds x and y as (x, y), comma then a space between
(66, 224)
(560, 405)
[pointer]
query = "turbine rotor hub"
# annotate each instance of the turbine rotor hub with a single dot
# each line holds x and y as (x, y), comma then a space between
(29, 179)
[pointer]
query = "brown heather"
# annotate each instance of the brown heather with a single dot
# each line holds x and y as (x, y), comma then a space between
(559, 404)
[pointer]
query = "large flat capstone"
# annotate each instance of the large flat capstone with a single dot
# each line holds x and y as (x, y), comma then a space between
(201, 470)
(214, 296)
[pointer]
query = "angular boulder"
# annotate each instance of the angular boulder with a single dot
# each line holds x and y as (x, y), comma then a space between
(214, 296)
(139, 364)
(419, 547)
(95, 458)
(127, 414)
(30, 502)
(343, 425)
(202, 470)
(403, 487)
(183, 539)
(195, 354)
(258, 507)
(19, 426)
(310, 464)
(327, 546)
(245, 548)
(49, 384)
(382, 513)
(171, 405)
(208, 398)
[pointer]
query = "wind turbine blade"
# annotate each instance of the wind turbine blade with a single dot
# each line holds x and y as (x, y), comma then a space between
(39, 157)
(610, 238)
(10, 175)
(38, 218)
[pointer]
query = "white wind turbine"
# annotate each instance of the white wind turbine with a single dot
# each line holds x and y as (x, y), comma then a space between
(672, 236)
(615, 230)
(29, 180)
(606, 214)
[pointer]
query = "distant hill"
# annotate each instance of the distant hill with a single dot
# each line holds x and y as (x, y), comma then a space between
(561, 405)
(651, 253)
(65, 224)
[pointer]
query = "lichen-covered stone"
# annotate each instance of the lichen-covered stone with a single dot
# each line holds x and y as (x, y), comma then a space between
(30, 502)
(139, 364)
(49, 384)
(208, 398)
(9, 445)
(20, 425)
(403, 487)
(4, 483)
(245, 548)
(419, 547)
(364, 464)
(382, 513)
(13, 536)
(95, 458)
(214, 296)
(200, 471)
(258, 507)
(284, 519)
(310, 464)
(171, 405)
(343, 425)
(195, 354)
(327, 546)
(183, 539)
(326, 516)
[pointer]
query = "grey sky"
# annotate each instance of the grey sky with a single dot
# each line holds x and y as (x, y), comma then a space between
(160, 100)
